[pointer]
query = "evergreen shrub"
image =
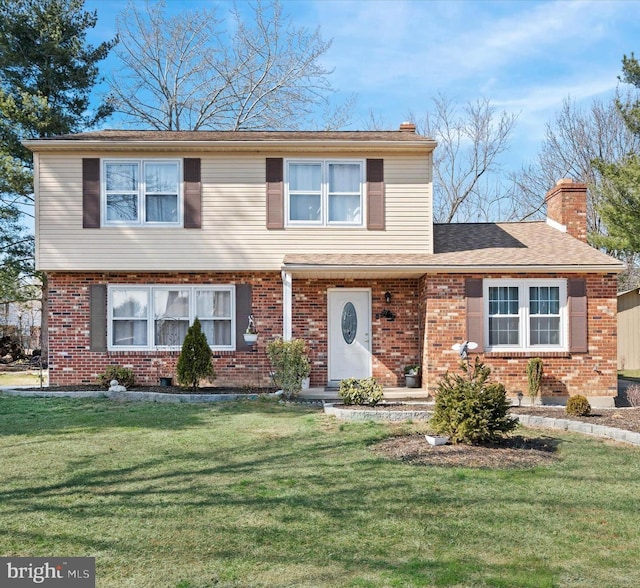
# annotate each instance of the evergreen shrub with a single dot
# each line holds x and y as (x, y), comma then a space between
(578, 405)
(470, 410)
(194, 362)
(360, 391)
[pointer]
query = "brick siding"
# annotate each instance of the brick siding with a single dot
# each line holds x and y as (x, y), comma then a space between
(430, 316)
(592, 374)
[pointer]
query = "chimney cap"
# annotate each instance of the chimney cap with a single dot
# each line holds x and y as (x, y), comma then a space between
(408, 127)
(562, 181)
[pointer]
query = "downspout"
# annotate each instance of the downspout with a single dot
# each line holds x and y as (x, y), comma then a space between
(287, 301)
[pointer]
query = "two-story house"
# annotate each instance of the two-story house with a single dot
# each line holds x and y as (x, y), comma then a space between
(324, 236)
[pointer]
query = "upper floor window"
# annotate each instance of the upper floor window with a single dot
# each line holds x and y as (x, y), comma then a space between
(526, 314)
(325, 192)
(157, 317)
(142, 192)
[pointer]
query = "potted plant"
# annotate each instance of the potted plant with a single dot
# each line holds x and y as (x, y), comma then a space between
(250, 335)
(412, 376)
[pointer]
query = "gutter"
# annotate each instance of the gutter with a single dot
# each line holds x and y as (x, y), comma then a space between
(436, 268)
(228, 146)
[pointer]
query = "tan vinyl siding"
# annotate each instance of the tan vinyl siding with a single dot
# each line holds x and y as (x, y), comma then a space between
(629, 330)
(234, 234)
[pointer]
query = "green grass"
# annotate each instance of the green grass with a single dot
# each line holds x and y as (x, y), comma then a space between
(259, 494)
(630, 374)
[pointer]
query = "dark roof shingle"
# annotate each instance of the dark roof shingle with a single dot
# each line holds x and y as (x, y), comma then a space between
(483, 246)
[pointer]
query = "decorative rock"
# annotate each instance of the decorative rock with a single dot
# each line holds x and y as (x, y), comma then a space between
(114, 386)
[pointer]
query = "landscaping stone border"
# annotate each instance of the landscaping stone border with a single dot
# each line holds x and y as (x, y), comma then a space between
(133, 396)
(579, 427)
(601, 431)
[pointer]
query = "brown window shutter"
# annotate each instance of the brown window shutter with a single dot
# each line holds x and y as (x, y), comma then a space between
(98, 318)
(243, 310)
(375, 194)
(192, 193)
(275, 193)
(577, 293)
(91, 193)
(475, 312)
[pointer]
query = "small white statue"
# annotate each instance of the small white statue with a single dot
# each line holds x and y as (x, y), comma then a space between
(114, 386)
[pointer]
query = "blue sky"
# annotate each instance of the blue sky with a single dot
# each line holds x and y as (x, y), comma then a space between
(396, 55)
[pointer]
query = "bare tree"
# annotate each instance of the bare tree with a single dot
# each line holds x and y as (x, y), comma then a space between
(186, 72)
(466, 162)
(572, 142)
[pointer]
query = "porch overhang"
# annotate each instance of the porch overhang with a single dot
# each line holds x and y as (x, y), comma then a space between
(332, 269)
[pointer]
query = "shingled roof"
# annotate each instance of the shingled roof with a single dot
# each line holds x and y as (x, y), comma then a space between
(133, 135)
(530, 246)
(232, 141)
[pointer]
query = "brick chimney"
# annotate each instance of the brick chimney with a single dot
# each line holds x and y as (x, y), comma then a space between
(567, 208)
(408, 127)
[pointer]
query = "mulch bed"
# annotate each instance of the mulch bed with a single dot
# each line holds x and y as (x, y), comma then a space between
(517, 451)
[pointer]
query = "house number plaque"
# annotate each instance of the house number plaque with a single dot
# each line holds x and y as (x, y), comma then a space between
(349, 322)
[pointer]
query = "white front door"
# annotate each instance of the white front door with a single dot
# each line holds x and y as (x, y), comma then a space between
(349, 315)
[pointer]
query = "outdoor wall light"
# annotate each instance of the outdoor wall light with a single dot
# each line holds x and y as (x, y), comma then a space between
(387, 297)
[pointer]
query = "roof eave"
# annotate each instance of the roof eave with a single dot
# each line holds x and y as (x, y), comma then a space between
(36, 145)
(422, 269)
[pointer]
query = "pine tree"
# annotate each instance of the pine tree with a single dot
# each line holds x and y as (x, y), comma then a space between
(620, 201)
(194, 362)
(47, 74)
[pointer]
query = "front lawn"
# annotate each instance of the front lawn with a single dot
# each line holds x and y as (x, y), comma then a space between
(259, 494)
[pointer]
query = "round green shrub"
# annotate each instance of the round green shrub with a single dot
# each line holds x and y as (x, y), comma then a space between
(360, 391)
(578, 405)
(124, 376)
(470, 410)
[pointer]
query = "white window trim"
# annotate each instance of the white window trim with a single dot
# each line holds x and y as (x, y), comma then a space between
(324, 195)
(141, 193)
(523, 302)
(151, 346)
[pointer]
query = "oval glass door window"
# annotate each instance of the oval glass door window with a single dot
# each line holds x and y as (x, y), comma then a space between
(349, 323)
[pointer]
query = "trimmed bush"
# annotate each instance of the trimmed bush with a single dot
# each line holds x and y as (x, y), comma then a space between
(578, 406)
(470, 410)
(360, 391)
(194, 362)
(290, 365)
(124, 376)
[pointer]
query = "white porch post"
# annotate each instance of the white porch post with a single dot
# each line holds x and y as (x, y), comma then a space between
(287, 301)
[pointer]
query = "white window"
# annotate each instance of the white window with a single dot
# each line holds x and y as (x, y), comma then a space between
(526, 314)
(157, 317)
(141, 192)
(325, 192)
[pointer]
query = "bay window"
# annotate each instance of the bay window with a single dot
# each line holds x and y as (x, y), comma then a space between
(526, 314)
(141, 192)
(157, 317)
(325, 192)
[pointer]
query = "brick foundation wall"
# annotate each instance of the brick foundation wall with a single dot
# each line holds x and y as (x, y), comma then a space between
(592, 374)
